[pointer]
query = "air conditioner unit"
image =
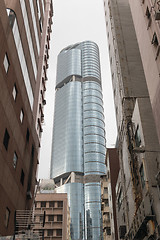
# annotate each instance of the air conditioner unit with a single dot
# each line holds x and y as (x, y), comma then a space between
(157, 15)
(44, 102)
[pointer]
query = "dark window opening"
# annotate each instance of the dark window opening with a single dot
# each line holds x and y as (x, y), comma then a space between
(108, 230)
(59, 218)
(49, 232)
(137, 137)
(106, 202)
(40, 24)
(120, 197)
(43, 204)
(27, 135)
(105, 190)
(6, 139)
(148, 14)
(60, 204)
(59, 232)
(155, 40)
(7, 216)
(22, 177)
(51, 218)
(51, 204)
(142, 176)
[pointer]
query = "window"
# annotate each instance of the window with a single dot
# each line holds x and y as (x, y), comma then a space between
(15, 158)
(7, 216)
(155, 40)
(51, 204)
(105, 190)
(59, 218)
(27, 135)
(11, 17)
(108, 230)
(6, 139)
(6, 63)
(43, 204)
(106, 203)
(148, 13)
(60, 204)
(21, 115)
(137, 137)
(49, 232)
(120, 197)
(59, 232)
(142, 176)
(22, 177)
(41, 218)
(108, 215)
(14, 92)
(51, 218)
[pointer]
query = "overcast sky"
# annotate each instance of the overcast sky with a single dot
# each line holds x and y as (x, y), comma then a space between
(75, 21)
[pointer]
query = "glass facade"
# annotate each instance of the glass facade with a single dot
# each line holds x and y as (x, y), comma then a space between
(79, 145)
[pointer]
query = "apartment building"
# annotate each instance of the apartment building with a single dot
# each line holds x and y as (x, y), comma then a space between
(108, 190)
(51, 216)
(106, 207)
(25, 28)
(137, 189)
(146, 19)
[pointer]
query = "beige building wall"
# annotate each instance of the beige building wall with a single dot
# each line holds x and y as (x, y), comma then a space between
(56, 225)
(106, 207)
(146, 17)
(130, 90)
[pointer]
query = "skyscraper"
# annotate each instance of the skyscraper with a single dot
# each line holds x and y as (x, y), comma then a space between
(78, 150)
(24, 43)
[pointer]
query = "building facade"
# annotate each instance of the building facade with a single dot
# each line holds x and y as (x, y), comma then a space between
(146, 19)
(51, 215)
(108, 191)
(107, 208)
(78, 148)
(24, 43)
(137, 190)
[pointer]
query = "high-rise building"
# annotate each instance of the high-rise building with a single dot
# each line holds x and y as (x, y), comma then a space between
(24, 43)
(146, 19)
(78, 150)
(138, 184)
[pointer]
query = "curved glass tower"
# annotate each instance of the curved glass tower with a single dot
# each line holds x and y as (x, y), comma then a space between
(78, 146)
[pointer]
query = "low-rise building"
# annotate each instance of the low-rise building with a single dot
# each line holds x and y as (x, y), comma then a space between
(51, 214)
(108, 185)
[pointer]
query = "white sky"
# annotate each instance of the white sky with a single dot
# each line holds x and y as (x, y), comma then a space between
(75, 21)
